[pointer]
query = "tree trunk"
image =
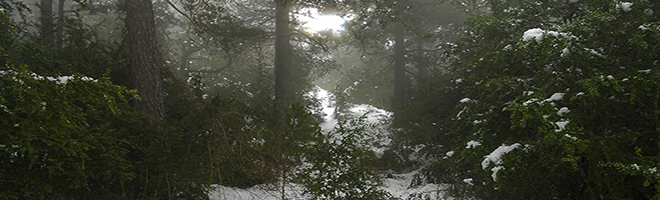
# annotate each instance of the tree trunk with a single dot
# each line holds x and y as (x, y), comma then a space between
(145, 64)
(282, 62)
(422, 66)
(60, 24)
(46, 31)
(399, 74)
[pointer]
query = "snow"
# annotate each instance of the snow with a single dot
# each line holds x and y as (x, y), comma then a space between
(258, 192)
(449, 154)
(537, 34)
(555, 97)
(557, 34)
(496, 155)
(570, 136)
(472, 144)
(328, 110)
(610, 77)
(594, 52)
(376, 137)
(565, 52)
(37, 76)
(561, 125)
(625, 6)
(460, 112)
(563, 111)
(643, 27)
(508, 47)
(399, 187)
(526, 103)
(644, 71)
(468, 181)
(495, 170)
(85, 78)
(63, 79)
(373, 114)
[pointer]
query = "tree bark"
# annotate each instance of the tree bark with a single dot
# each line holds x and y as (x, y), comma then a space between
(145, 64)
(399, 74)
(422, 66)
(46, 30)
(60, 24)
(282, 62)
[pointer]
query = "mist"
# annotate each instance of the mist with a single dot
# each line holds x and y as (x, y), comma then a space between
(365, 99)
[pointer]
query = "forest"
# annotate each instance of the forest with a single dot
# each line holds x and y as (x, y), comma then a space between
(474, 99)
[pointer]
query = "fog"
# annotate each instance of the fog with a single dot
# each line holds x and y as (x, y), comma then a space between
(335, 99)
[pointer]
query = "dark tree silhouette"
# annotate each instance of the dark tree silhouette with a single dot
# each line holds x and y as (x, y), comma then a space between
(282, 61)
(145, 64)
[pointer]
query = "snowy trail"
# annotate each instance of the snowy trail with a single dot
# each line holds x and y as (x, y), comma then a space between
(398, 185)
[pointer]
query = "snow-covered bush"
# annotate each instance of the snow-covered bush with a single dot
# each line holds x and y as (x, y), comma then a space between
(334, 165)
(568, 90)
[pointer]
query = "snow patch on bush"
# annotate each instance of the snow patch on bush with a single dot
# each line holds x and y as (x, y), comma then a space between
(538, 34)
(555, 97)
(561, 125)
(563, 111)
(496, 155)
(472, 144)
(625, 6)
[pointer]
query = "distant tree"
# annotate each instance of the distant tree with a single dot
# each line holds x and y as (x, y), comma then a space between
(283, 67)
(399, 25)
(47, 25)
(400, 77)
(60, 24)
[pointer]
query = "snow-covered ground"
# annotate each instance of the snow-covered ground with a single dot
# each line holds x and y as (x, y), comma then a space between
(259, 192)
(398, 185)
(374, 115)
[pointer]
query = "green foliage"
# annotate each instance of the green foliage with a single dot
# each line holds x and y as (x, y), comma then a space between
(222, 29)
(581, 98)
(76, 137)
(335, 165)
(58, 136)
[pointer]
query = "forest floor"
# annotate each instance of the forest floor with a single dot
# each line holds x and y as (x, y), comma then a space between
(397, 185)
